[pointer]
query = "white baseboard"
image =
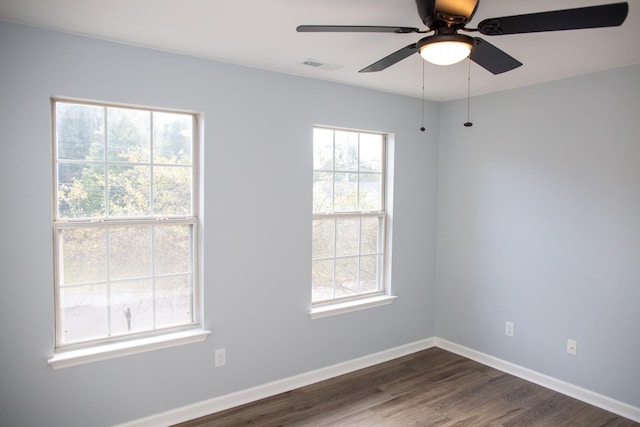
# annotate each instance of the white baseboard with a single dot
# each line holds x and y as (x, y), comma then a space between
(241, 397)
(587, 396)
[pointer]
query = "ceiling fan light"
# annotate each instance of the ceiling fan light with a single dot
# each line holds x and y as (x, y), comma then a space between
(446, 49)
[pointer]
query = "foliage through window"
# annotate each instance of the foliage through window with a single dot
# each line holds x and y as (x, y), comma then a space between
(348, 214)
(124, 222)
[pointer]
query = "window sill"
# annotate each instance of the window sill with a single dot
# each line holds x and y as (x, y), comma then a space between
(349, 306)
(110, 351)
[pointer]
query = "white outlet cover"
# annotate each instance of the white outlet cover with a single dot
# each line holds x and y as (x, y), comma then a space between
(509, 329)
(572, 347)
(220, 357)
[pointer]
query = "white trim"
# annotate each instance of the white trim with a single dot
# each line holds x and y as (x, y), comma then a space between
(349, 306)
(125, 348)
(252, 394)
(582, 394)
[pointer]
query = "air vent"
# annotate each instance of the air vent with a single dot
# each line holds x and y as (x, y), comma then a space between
(321, 65)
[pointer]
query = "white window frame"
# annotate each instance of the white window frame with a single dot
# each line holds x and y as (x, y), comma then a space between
(382, 296)
(71, 354)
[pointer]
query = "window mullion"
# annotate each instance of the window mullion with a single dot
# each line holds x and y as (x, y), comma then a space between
(152, 209)
(359, 258)
(153, 277)
(105, 162)
(108, 277)
(152, 212)
(333, 174)
(359, 255)
(358, 177)
(59, 279)
(335, 254)
(333, 208)
(192, 275)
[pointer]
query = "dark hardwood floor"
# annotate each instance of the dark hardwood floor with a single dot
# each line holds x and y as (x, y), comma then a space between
(428, 388)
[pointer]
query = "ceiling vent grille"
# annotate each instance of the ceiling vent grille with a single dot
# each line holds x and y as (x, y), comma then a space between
(321, 65)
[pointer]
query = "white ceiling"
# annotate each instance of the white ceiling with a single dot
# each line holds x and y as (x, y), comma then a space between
(262, 34)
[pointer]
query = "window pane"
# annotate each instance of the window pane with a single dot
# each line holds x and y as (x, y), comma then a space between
(84, 255)
(125, 241)
(129, 190)
(173, 302)
(347, 250)
(369, 273)
(371, 152)
(172, 248)
(370, 242)
(346, 151)
(370, 192)
(81, 189)
(322, 149)
(131, 306)
(346, 188)
(322, 192)
(80, 131)
(347, 236)
(172, 138)
(321, 280)
(123, 274)
(323, 238)
(83, 313)
(346, 276)
(128, 135)
(172, 190)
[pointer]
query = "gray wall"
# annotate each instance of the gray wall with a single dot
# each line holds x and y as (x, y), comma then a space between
(539, 224)
(256, 225)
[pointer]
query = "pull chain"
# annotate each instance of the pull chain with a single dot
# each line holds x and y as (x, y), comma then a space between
(468, 122)
(422, 128)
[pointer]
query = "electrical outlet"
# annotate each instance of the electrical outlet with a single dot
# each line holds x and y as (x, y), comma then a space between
(221, 357)
(572, 347)
(509, 329)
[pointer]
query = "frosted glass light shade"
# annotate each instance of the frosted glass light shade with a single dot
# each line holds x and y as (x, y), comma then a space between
(448, 49)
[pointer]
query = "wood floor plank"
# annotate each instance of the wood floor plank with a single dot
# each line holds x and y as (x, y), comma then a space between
(429, 388)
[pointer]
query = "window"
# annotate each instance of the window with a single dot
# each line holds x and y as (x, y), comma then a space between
(125, 223)
(349, 215)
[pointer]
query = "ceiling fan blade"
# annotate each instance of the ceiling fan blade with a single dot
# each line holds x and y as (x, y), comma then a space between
(395, 57)
(354, 29)
(608, 15)
(491, 58)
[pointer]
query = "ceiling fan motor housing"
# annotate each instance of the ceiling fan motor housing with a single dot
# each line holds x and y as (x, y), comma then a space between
(436, 14)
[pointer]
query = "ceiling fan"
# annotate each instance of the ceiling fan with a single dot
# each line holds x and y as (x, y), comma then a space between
(446, 17)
